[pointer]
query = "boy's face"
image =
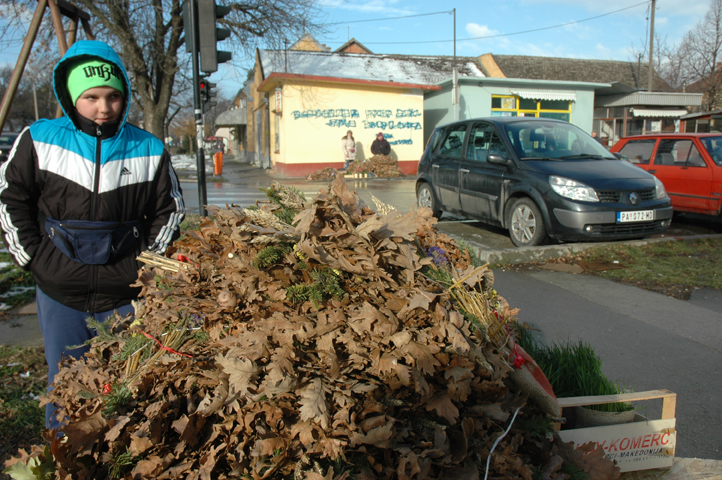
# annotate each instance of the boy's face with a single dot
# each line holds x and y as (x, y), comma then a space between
(100, 104)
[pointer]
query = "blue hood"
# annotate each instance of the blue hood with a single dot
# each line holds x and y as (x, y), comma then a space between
(81, 49)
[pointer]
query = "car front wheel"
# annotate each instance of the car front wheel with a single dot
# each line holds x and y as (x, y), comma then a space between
(425, 198)
(526, 226)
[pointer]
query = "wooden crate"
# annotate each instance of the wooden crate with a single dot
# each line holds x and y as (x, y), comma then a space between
(639, 445)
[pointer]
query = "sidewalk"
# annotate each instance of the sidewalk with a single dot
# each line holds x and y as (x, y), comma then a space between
(21, 327)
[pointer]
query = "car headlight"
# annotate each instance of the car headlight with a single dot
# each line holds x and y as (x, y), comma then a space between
(659, 187)
(568, 188)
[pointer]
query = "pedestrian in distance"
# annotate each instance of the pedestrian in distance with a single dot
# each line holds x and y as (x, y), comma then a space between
(348, 145)
(381, 145)
(80, 197)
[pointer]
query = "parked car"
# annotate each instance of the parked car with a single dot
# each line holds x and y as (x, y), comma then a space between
(538, 178)
(688, 164)
(7, 139)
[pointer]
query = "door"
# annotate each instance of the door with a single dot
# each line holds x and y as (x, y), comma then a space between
(684, 173)
(480, 181)
(445, 167)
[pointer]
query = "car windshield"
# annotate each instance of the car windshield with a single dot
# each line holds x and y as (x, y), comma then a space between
(544, 140)
(714, 148)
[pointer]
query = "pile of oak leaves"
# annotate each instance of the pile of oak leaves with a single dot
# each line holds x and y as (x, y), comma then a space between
(324, 347)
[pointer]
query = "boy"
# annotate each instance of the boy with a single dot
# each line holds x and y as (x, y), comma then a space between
(81, 196)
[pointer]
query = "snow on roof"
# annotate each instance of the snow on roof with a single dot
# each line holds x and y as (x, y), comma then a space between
(419, 69)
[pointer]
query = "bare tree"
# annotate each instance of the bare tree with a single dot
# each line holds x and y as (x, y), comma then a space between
(148, 34)
(667, 62)
(700, 52)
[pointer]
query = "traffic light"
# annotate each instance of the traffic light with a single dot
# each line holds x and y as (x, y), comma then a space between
(209, 34)
(190, 33)
(207, 95)
(204, 89)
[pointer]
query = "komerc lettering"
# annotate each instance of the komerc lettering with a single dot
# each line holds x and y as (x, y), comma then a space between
(634, 443)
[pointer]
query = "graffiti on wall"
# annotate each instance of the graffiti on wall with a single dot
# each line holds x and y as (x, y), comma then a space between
(345, 118)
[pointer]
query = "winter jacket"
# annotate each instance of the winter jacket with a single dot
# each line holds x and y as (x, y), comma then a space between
(70, 169)
(380, 147)
(348, 145)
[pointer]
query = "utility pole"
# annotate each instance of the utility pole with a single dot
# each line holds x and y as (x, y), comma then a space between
(651, 48)
(455, 79)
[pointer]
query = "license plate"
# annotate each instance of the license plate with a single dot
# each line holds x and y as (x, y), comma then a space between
(641, 216)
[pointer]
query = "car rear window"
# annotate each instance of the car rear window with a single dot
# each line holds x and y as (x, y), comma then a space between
(454, 141)
(713, 145)
(678, 153)
(638, 151)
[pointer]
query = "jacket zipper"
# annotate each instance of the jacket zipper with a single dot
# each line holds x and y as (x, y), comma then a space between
(94, 198)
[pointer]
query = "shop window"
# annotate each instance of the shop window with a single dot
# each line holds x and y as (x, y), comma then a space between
(690, 125)
(556, 115)
(276, 135)
(511, 106)
(527, 104)
(635, 126)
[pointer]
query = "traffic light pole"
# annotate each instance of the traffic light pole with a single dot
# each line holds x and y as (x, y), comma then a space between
(198, 110)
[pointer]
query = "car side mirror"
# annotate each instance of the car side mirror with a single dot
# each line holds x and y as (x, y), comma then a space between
(495, 159)
(618, 155)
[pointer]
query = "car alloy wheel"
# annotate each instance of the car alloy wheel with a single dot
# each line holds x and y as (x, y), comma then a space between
(425, 198)
(526, 226)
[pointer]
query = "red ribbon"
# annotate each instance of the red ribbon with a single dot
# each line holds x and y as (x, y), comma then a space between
(184, 259)
(163, 347)
(518, 360)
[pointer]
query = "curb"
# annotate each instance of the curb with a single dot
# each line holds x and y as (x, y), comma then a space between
(512, 256)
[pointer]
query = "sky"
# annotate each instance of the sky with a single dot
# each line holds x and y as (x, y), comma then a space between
(610, 37)
(426, 31)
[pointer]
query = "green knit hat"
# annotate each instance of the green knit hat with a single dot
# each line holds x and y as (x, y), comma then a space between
(91, 73)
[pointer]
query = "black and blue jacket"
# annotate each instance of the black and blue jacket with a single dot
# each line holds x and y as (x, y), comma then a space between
(71, 169)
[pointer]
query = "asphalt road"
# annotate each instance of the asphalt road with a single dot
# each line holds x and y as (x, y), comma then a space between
(647, 341)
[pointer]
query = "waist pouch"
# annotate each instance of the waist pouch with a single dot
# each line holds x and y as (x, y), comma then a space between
(92, 243)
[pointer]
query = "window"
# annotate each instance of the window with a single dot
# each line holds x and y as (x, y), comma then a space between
(638, 151)
(454, 141)
(276, 134)
(479, 140)
(680, 153)
(434, 140)
(713, 145)
(496, 147)
(512, 106)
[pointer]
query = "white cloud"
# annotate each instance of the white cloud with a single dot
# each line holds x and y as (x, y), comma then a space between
(371, 6)
(602, 51)
(476, 30)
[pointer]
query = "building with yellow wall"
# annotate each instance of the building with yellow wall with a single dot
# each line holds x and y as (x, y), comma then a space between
(310, 115)
(308, 100)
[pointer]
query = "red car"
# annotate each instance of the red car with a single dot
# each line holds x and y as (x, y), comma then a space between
(688, 164)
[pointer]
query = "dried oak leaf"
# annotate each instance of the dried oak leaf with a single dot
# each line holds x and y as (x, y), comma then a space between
(443, 406)
(85, 431)
(240, 370)
(379, 437)
(313, 403)
(422, 356)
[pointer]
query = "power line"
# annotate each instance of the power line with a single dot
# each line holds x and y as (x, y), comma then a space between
(389, 18)
(502, 34)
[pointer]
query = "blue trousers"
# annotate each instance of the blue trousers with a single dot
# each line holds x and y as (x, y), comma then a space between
(64, 327)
